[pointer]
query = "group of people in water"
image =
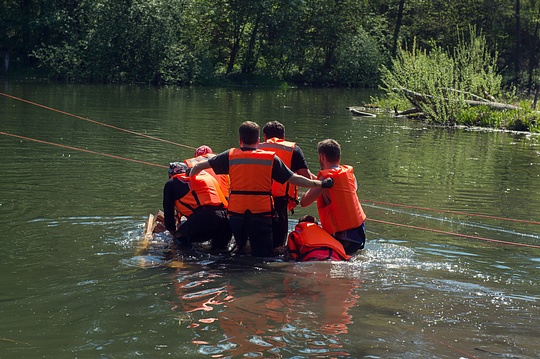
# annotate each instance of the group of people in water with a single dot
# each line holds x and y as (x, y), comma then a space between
(248, 192)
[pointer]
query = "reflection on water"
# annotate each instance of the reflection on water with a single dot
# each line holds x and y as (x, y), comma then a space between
(75, 285)
(391, 295)
(261, 313)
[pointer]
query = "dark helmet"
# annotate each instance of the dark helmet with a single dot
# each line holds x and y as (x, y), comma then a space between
(177, 168)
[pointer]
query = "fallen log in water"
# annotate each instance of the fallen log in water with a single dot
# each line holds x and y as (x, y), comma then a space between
(356, 111)
(410, 112)
(416, 97)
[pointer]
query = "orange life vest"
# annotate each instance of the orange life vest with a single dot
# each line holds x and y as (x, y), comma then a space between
(339, 207)
(284, 150)
(203, 191)
(223, 180)
(308, 242)
(251, 181)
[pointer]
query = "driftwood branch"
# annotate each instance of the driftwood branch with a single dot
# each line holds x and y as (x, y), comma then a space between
(416, 97)
(357, 111)
(408, 112)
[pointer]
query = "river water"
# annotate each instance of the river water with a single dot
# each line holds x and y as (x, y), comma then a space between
(450, 269)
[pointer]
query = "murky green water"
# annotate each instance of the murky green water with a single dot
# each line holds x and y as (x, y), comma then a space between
(72, 287)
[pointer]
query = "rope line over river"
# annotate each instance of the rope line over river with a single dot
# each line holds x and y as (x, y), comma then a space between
(432, 280)
(370, 219)
(96, 122)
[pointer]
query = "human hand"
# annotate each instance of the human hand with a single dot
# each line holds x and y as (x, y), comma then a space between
(327, 183)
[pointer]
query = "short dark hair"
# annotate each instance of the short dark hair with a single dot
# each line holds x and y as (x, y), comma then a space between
(330, 149)
(274, 129)
(307, 218)
(249, 132)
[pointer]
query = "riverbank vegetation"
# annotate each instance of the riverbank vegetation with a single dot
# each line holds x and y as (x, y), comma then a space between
(184, 42)
(316, 43)
(459, 86)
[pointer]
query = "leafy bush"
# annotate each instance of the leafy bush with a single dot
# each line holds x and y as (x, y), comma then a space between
(523, 119)
(438, 82)
(476, 66)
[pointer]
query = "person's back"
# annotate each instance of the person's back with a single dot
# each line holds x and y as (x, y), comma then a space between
(200, 200)
(339, 208)
(284, 150)
(203, 191)
(250, 193)
(309, 242)
(285, 195)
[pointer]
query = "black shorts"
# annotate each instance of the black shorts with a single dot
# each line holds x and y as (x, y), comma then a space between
(352, 239)
(205, 224)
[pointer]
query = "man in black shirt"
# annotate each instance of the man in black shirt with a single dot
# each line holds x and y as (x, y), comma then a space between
(285, 195)
(201, 201)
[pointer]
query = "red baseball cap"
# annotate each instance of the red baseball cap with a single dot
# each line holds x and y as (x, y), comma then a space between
(203, 150)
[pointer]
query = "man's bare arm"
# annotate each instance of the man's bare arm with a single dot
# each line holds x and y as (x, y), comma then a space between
(311, 196)
(302, 181)
(306, 173)
(195, 170)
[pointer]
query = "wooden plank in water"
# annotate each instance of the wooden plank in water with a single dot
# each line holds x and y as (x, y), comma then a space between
(148, 234)
(356, 112)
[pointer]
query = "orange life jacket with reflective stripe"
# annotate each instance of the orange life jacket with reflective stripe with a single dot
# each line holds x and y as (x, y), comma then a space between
(284, 150)
(203, 191)
(308, 242)
(339, 207)
(251, 181)
(223, 180)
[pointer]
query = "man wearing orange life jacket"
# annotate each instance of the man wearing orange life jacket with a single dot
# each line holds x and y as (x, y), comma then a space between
(251, 173)
(340, 211)
(201, 201)
(202, 153)
(285, 195)
(309, 242)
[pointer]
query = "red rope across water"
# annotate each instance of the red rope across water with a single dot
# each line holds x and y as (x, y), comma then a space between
(177, 144)
(456, 234)
(95, 122)
(452, 212)
(82, 150)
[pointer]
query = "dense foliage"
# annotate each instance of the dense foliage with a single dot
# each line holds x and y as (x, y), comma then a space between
(443, 78)
(454, 87)
(317, 42)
